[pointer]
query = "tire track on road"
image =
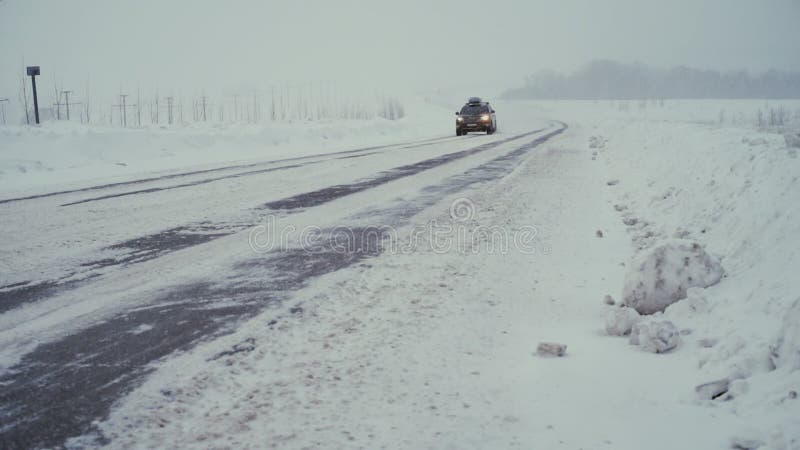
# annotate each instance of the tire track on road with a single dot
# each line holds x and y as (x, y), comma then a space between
(325, 195)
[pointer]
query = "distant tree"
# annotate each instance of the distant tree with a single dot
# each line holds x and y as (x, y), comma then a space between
(57, 104)
(272, 112)
(138, 107)
(23, 97)
(614, 80)
(87, 108)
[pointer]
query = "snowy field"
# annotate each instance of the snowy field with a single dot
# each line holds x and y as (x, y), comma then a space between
(432, 342)
(64, 155)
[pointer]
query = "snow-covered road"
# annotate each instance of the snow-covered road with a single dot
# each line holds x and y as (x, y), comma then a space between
(105, 280)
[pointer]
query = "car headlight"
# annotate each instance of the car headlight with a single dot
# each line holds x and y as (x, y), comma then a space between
(459, 119)
(485, 117)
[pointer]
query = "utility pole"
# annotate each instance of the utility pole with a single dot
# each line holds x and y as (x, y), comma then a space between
(3, 108)
(123, 109)
(255, 107)
(273, 115)
(66, 101)
(32, 72)
(57, 104)
(157, 110)
(170, 103)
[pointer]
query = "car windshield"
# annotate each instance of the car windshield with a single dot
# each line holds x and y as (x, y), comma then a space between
(474, 110)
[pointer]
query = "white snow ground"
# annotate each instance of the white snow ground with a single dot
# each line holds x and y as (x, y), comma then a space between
(64, 155)
(435, 349)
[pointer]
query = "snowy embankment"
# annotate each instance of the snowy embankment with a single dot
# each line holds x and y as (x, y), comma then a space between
(732, 189)
(436, 348)
(63, 155)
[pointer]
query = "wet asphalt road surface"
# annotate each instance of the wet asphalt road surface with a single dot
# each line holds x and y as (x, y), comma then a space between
(61, 387)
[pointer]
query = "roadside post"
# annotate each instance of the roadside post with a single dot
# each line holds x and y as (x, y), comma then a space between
(32, 72)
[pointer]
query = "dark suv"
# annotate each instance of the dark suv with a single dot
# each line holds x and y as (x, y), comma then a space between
(476, 115)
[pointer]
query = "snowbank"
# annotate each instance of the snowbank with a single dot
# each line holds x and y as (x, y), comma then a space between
(731, 187)
(661, 275)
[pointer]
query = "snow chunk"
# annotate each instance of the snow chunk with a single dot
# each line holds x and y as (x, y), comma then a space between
(707, 342)
(551, 349)
(713, 390)
(787, 350)
(662, 275)
(742, 443)
(143, 328)
(655, 337)
(620, 321)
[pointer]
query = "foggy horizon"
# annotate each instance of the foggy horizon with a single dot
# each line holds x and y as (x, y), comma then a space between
(408, 47)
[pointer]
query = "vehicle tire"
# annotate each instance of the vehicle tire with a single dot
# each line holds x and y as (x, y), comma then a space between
(490, 130)
(458, 132)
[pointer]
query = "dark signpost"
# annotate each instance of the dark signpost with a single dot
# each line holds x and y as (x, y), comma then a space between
(32, 72)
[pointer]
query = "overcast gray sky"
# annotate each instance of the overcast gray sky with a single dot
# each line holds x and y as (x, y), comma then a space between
(413, 44)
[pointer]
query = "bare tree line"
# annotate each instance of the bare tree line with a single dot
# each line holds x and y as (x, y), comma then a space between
(285, 103)
(612, 80)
